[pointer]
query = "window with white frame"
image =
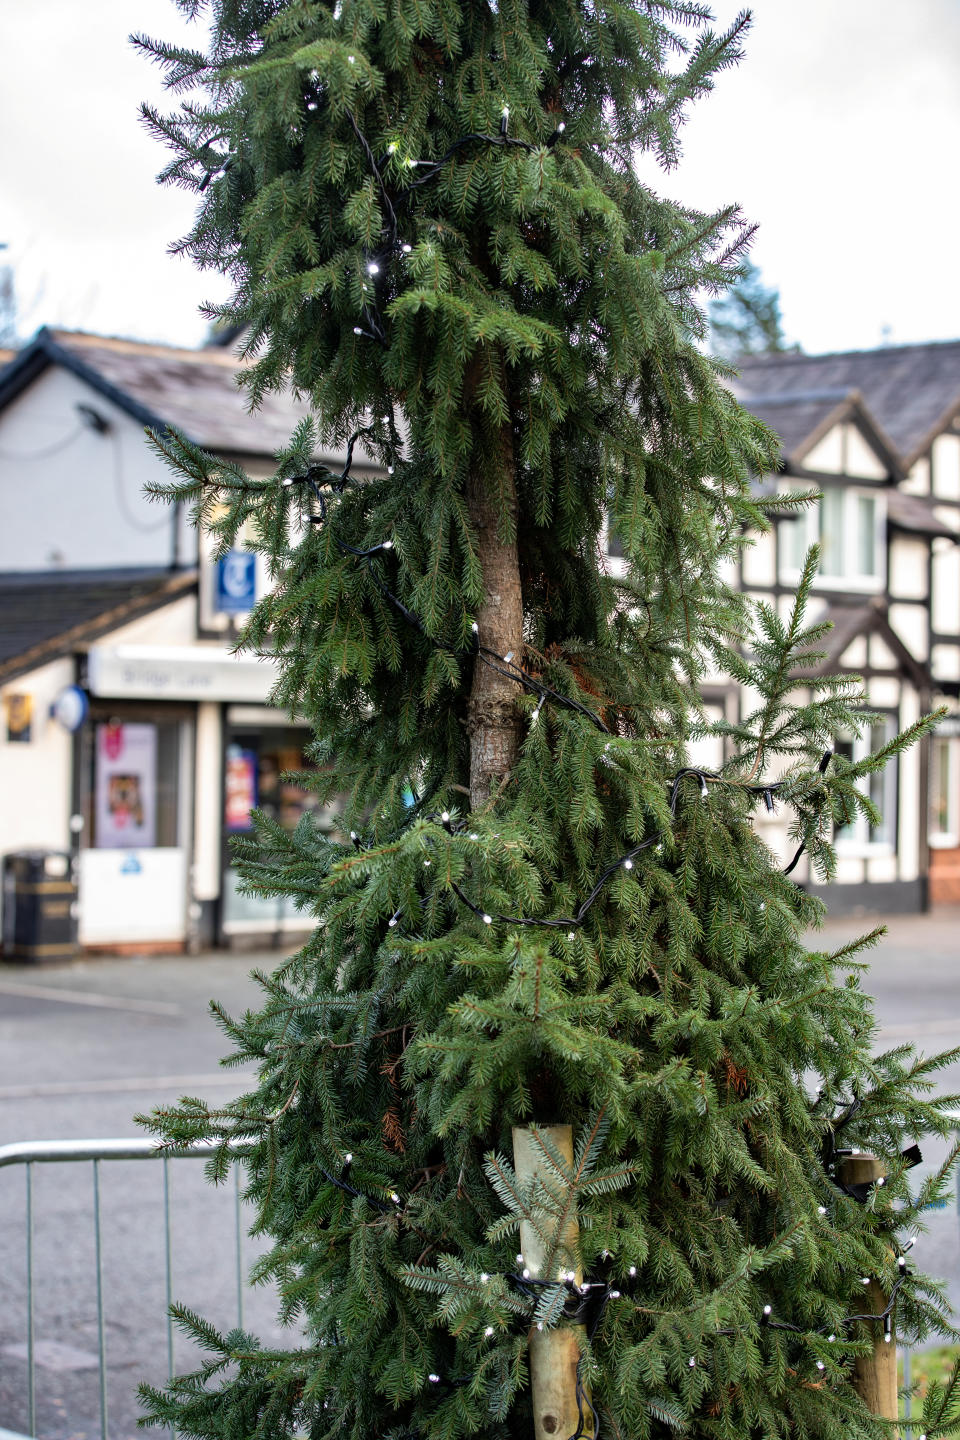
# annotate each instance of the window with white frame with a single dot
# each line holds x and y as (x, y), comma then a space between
(880, 786)
(944, 831)
(848, 524)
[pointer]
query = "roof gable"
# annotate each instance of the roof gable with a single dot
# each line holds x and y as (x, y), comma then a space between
(911, 391)
(194, 391)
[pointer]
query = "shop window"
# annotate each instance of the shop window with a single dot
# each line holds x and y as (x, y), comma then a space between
(848, 525)
(257, 763)
(881, 786)
(131, 780)
(944, 793)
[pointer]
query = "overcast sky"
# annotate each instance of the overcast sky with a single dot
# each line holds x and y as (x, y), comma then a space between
(839, 134)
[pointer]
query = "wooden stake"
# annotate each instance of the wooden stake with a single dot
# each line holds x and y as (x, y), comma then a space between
(874, 1376)
(554, 1353)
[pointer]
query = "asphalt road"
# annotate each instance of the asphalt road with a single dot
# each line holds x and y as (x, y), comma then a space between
(85, 1047)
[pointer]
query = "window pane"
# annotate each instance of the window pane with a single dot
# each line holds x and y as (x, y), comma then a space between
(832, 537)
(940, 787)
(866, 535)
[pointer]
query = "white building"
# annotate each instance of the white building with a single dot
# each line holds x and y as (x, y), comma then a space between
(103, 592)
(105, 600)
(878, 431)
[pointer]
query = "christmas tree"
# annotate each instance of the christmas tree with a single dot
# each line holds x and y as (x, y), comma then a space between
(551, 1110)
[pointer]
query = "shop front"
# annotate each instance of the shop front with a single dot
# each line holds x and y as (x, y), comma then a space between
(263, 753)
(148, 778)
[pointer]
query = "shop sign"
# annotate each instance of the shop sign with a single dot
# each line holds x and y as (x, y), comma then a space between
(178, 672)
(19, 710)
(236, 583)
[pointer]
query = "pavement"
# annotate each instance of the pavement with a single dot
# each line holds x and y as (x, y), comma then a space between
(86, 1046)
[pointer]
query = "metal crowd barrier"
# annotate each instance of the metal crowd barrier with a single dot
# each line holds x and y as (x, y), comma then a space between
(30, 1153)
(44, 1152)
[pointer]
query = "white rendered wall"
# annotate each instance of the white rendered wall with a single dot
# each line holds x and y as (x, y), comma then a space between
(909, 622)
(946, 588)
(908, 568)
(827, 454)
(70, 497)
(946, 467)
(861, 459)
(35, 775)
(207, 802)
(908, 839)
(918, 481)
(759, 560)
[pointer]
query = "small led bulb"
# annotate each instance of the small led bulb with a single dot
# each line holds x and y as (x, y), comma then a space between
(474, 835)
(434, 1379)
(427, 864)
(406, 249)
(387, 545)
(526, 1273)
(628, 864)
(901, 1263)
(570, 1275)
(571, 935)
(351, 59)
(762, 905)
(357, 330)
(632, 1270)
(614, 1294)
(394, 1197)
(509, 656)
(692, 1362)
(373, 268)
(519, 1259)
(353, 836)
(390, 470)
(539, 1324)
(489, 1331)
(348, 1159)
(392, 148)
(820, 1365)
(881, 1181)
(488, 919)
(286, 483)
(484, 1278)
(887, 1339)
(704, 792)
(864, 1279)
(392, 922)
(475, 628)
(831, 1339)
(821, 1209)
(562, 126)
(411, 164)
(445, 817)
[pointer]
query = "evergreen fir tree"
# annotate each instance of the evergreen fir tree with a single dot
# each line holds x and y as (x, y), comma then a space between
(545, 915)
(746, 320)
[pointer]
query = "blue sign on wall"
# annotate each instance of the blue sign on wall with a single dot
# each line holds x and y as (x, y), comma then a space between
(236, 583)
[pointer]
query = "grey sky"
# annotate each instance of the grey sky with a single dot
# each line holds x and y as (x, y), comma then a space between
(839, 134)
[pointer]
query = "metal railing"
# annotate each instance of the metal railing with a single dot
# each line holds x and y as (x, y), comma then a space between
(45, 1152)
(30, 1153)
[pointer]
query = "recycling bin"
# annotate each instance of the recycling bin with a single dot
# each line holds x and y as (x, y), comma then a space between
(39, 906)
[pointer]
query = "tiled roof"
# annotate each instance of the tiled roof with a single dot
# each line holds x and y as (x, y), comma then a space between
(916, 514)
(910, 390)
(49, 614)
(195, 391)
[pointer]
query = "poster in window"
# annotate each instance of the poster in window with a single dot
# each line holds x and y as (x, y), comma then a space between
(241, 788)
(126, 787)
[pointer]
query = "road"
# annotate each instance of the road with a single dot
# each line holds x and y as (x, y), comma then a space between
(84, 1047)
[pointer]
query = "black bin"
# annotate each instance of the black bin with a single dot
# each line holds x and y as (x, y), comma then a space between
(39, 906)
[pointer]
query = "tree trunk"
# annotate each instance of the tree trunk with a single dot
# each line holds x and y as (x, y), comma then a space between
(554, 1353)
(874, 1376)
(493, 721)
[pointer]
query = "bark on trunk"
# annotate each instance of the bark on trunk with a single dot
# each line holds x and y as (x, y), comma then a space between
(493, 721)
(554, 1353)
(874, 1376)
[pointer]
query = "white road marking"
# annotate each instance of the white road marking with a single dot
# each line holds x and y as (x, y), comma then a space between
(86, 997)
(121, 1084)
